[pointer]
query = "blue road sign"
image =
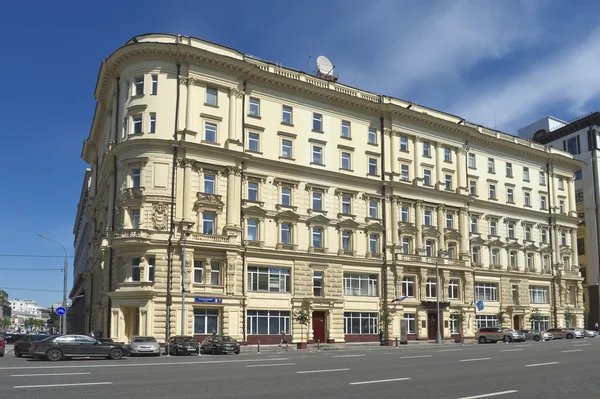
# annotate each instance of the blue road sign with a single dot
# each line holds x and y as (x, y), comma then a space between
(60, 311)
(479, 305)
(208, 300)
(49, 322)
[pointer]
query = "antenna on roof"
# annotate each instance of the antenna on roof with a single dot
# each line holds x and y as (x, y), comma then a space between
(309, 55)
(325, 69)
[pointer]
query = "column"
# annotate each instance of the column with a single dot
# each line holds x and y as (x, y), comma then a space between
(419, 226)
(233, 198)
(394, 205)
(553, 192)
(179, 187)
(189, 112)
(187, 189)
(393, 156)
(443, 284)
(463, 225)
(417, 150)
(183, 82)
(556, 249)
(574, 247)
(438, 180)
(235, 120)
(441, 211)
(572, 205)
(461, 160)
(207, 270)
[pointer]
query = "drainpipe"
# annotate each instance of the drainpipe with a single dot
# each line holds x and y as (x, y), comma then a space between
(384, 266)
(244, 249)
(550, 236)
(594, 148)
(91, 304)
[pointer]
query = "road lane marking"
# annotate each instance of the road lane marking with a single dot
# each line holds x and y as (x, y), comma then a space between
(378, 381)
(321, 371)
(61, 385)
(487, 395)
(522, 345)
(45, 375)
(511, 350)
(183, 363)
(270, 365)
(475, 360)
(414, 357)
(540, 364)
(583, 345)
(449, 350)
(573, 350)
(349, 355)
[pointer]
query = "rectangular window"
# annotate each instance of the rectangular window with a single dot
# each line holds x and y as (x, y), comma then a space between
(346, 240)
(286, 149)
(512, 256)
(346, 129)
(268, 279)
(527, 233)
(563, 238)
(426, 177)
(406, 245)
(454, 324)
(529, 259)
(561, 206)
(491, 166)
(137, 124)
(403, 143)
(404, 175)
(426, 149)
(431, 288)
(253, 191)
(541, 325)
(475, 255)
(267, 322)
(427, 217)
(509, 171)
(317, 237)
(447, 154)
(453, 289)
(252, 229)
(581, 246)
(360, 323)
(215, 272)
(578, 174)
(511, 230)
(138, 86)
(286, 233)
(210, 132)
(136, 177)
(317, 283)
(317, 155)
(151, 268)
(473, 187)
(346, 161)
(484, 321)
(515, 294)
(495, 257)
(579, 196)
(526, 199)
(525, 173)
(317, 122)
(254, 106)
(374, 243)
(542, 178)
(317, 201)
(209, 184)
(372, 166)
(492, 191)
(211, 96)
(510, 197)
(474, 224)
(135, 269)
(471, 161)
(152, 122)
(449, 221)
(538, 294)
(254, 142)
(572, 145)
(561, 183)
(493, 227)
(372, 136)
(346, 205)
(405, 214)
(411, 323)
(429, 248)
(448, 183)
(198, 272)
(542, 201)
(544, 234)
(408, 286)
(373, 209)
(286, 196)
(286, 115)
(208, 223)
(206, 321)
(356, 284)
(134, 215)
(486, 292)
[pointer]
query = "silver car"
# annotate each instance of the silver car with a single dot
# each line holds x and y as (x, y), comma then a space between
(587, 333)
(144, 346)
(568, 333)
(495, 334)
(537, 335)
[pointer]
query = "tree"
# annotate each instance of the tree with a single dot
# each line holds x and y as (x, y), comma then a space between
(5, 323)
(385, 319)
(460, 316)
(536, 318)
(501, 316)
(302, 316)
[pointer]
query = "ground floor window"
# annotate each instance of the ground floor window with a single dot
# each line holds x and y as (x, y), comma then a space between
(486, 321)
(360, 323)
(268, 322)
(411, 323)
(542, 324)
(206, 321)
(454, 324)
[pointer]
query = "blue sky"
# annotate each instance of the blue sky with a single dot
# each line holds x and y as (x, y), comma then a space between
(499, 63)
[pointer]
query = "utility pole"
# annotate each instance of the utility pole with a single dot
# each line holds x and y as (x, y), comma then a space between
(63, 318)
(186, 234)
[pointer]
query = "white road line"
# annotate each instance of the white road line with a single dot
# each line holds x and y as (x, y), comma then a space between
(270, 365)
(378, 381)
(321, 371)
(62, 385)
(414, 357)
(475, 360)
(572, 350)
(349, 355)
(44, 375)
(583, 345)
(511, 350)
(540, 364)
(522, 345)
(487, 395)
(449, 350)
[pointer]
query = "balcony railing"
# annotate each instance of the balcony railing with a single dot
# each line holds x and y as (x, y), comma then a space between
(132, 233)
(211, 238)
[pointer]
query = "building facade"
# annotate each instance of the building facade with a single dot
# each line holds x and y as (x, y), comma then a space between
(580, 138)
(264, 186)
(5, 306)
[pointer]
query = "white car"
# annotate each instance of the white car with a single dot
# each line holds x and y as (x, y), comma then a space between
(144, 346)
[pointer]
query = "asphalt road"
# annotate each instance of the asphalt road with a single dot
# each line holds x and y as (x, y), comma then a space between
(557, 369)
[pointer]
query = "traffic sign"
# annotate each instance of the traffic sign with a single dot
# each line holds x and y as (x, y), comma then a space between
(479, 305)
(60, 311)
(49, 322)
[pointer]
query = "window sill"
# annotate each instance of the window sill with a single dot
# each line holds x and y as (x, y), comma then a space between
(492, 199)
(346, 170)
(526, 180)
(213, 143)
(448, 161)
(347, 215)
(317, 131)
(373, 175)
(370, 219)
(346, 138)
(253, 152)
(317, 164)
(509, 176)
(280, 206)
(136, 96)
(373, 144)
(289, 247)
(287, 159)
(427, 156)
(510, 202)
(211, 105)
(406, 180)
(473, 167)
(527, 206)
(254, 116)
(254, 202)
(287, 124)
(404, 151)
(320, 211)
(491, 172)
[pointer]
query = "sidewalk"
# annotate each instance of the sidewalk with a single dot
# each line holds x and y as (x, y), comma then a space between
(344, 346)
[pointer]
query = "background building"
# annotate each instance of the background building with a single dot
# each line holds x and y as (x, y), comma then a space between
(292, 187)
(5, 305)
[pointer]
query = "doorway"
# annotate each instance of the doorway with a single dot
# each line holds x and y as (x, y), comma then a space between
(432, 326)
(318, 326)
(516, 323)
(131, 318)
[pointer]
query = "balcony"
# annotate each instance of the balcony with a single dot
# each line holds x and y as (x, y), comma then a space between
(212, 238)
(138, 234)
(346, 252)
(288, 247)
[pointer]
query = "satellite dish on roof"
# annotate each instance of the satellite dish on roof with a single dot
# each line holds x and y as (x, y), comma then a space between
(324, 66)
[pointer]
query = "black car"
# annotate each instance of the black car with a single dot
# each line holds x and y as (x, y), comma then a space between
(60, 347)
(182, 345)
(220, 344)
(22, 346)
(11, 338)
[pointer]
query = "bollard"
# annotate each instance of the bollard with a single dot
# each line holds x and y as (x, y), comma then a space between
(396, 342)
(258, 344)
(318, 344)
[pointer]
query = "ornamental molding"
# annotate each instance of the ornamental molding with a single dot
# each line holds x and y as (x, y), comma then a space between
(235, 92)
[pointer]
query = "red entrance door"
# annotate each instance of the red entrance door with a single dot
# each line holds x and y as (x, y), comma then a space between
(318, 326)
(432, 326)
(516, 324)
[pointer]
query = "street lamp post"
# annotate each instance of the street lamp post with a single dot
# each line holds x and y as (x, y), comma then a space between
(63, 318)
(185, 236)
(438, 336)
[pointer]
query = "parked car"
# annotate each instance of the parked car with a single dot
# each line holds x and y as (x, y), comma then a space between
(587, 333)
(182, 345)
(220, 344)
(495, 334)
(144, 346)
(11, 338)
(60, 347)
(2, 346)
(22, 346)
(537, 335)
(104, 339)
(568, 333)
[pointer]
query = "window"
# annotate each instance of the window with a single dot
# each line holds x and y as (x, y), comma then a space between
(495, 256)
(578, 174)
(581, 246)
(135, 269)
(136, 177)
(448, 183)
(561, 183)
(286, 233)
(542, 201)
(286, 149)
(209, 184)
(484, 321)
(526, 198)
(512, 258)
(286, 115)
(486, 291)
(492, 191)
(254, 106)
(346, 240)
(317, 201)
(403, 143)
(252, 191)
(346, 205)
(138, 86)
(494, 227)
(427, 217)
(404, 172)
(572, 145)
(473, 187)
(454, 324)
(405, 214)
(254, 142)
(579, 196)
(374, 243)
(447, 154)
(134, 215)
(211, 96)
(515, 294)
(509, 171)
(426, 177)
(431, 288)
(451, 248)
(405, 245)
(151, 268)
(286, 196)
(475, 255)
(542, 178)
(525, 173)
(208, 223)
(360, 323)
(210, 132)
(317, 155)
(429, 248)
(372, 166)
(471, 161)
(346, 165)
(215, 272)
(356, 284)
(411, 323)
(563, 238)
(538, 294)
(154, 85)
(453, 289)
(527, 233)
(206, 321)
(449, 221)
(529, 259)
(426, 149)
(474, 224)
(408, 286)
(511, 230)
(198, 272)
(561, 206)
(252, 229)
(373, 209)
(346, 129)
(152, 123)
(544, 233)
(317, 122)
(269, 279)
(267, 322)
(317, 283)
(317, 237)
(510, 197)
(541, 325)
(137, 124)
(372, 136)
(491, 166)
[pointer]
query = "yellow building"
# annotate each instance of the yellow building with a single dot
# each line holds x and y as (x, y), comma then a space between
(268, 185)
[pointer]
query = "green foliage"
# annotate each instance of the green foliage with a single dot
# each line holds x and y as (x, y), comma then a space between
(5, 322)
(302, 315)
(536, 315)
(501, 316)
(385, 319)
